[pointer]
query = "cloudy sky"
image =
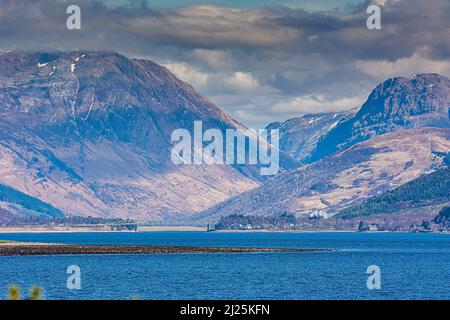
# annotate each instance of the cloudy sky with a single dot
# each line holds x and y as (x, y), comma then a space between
(260, 60)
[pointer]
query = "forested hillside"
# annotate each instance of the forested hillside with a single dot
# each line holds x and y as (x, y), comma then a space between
(430, 189)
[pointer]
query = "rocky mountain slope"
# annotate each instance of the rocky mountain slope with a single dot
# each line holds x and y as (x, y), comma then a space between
(299, 136)
(398, 103)
(399, 133)
(346, 178)
(89, 133)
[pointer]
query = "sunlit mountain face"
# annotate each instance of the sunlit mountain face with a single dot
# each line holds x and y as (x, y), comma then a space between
(90, 134)
(400, 133)
(87, 129)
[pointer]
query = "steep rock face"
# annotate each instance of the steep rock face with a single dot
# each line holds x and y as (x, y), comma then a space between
(345, 178)
(398, 103)
(89, 133)
(67, 97)
(299, 136)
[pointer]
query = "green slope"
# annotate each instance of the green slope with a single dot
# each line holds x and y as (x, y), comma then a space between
(8, 194)
(430, 189)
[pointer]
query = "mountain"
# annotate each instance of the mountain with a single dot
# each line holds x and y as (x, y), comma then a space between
(346, 178)
(299, 136)
(88, 133)
(427, 190)
(401, 132)
(398, 103)
(22, 204)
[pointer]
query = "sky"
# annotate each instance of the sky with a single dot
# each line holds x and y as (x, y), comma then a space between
(260, 60)
(310, 5)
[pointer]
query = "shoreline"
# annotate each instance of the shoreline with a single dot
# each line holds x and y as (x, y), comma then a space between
(6, 230)
(25, 230)
(142, 229)
(284, 231)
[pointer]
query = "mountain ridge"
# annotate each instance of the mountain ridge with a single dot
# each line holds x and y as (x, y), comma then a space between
(399, 133)
(89, 133)
(397, 103)
(299, 136)
(342, 179)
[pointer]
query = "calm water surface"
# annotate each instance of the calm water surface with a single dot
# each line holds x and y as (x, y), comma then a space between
(413, 266)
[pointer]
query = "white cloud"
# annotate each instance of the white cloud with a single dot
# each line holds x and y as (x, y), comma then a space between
(316, 104)
(241, 81)
(252, 117)
(410, 66)
(213, 83)
(214, 58)
(247, 99)
(188, 73)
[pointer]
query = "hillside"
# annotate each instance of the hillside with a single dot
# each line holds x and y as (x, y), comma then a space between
(89, 134)
(22, 203)
(398, 134)
(364, 170)
(427, 190)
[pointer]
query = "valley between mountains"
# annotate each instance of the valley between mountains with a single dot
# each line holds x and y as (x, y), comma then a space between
(88, 134)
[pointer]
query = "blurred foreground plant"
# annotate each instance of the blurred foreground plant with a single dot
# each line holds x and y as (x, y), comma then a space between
(35, 293)
(14, 293)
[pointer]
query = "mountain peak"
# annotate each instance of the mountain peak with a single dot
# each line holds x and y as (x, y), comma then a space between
(76, 86)
(89, 132)
(431, 76)
(422, 101)
(299, 136)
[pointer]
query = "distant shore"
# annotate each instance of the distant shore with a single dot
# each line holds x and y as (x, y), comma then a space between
(170, 228)
(61, 229)
(284, 231)
(155, 229)
(7, 230)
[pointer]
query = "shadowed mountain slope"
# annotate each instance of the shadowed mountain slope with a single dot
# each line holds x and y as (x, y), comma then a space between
(89, 133)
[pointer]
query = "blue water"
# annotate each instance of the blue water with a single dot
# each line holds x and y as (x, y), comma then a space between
(413, 266)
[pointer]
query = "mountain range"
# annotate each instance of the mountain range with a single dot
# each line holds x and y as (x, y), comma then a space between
(401, 132)
(299, 136)
(398, 103)
(346, 178)
(88, 133)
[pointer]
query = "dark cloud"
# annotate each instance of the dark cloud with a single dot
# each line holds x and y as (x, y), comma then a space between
(261, 64)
